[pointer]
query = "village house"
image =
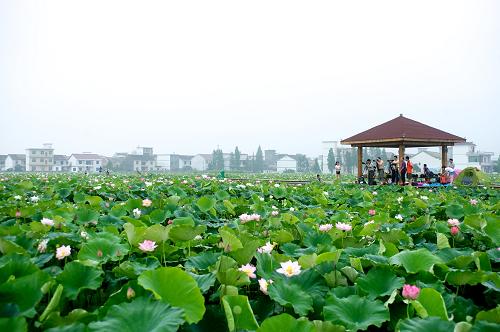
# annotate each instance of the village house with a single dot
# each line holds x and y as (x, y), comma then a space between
(40, 159)
(85, 162)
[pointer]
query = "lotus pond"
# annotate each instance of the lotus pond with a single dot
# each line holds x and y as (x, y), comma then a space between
(195, 253)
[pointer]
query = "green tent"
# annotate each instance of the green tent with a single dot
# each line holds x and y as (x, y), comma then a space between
(471, 176)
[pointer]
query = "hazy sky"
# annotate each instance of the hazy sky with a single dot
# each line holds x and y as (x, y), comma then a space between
(185, 76)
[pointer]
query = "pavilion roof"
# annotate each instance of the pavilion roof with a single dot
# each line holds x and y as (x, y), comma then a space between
(402, 130)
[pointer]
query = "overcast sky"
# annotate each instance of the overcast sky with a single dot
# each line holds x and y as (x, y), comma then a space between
(186, 76)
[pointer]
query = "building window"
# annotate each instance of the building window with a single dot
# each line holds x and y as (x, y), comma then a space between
(88, 162)
(80, 162)
(74, 169)
(33, 160)
(97, 162)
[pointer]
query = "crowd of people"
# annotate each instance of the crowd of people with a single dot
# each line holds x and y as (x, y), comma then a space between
(400, 173)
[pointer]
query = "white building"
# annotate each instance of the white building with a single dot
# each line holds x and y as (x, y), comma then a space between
(286, 163)
(467, 155)
(61, 163)
(15, 162)
(430, 158)
(200, 162)
(85, 162)
(2, 162)
(163, 162)
(40, 159)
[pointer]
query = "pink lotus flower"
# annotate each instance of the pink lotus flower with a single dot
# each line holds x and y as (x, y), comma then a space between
(325, 227)
(473, 201)
(454, 230)
(63, 251)
(343, 226)
(18, 214)
(47, 222)
(249, 270)
(249, 217)
(371, 212)
(410, 292)
(146, 202)
(275, 213)
(453, 222)
(147, 245)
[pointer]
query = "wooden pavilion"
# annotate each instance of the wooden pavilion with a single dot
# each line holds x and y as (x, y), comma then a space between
(401, 133)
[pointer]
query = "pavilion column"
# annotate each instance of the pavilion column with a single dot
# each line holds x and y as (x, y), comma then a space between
(444, 156)
(401, 153)
(360, 160)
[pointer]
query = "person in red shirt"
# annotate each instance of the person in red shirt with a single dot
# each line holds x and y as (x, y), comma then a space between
(409, 169)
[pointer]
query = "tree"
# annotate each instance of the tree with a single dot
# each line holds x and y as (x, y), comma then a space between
(232, 162)
(259, 161)
(330, 160)
(497, 165)
(302, 163)
(316, 169)
(237, 159)
(217, 162)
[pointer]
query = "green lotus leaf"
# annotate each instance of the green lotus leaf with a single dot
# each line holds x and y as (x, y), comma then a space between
(415, 261)
(291, 295)
(74, 327)
(94, 201)
(15, 265)
(86, 215)
(323, 326)
(442, 241)
(492, 315)
(233, 277)
(285, 323)
(484, 326)
(379, 282)
(460, 278)
(184, 233)
(176, 287)
(229, 239)
(433, 324)
(158, 216)
(13, 324)
(76, 277)
(103, 248)
(433, 303)
(455, 211)
(23, 293)
(239, 314)
(202, 261)
(132, 269)
(183, 221)
(492, 229)
(205, 203)
(204, 281)
(355, 312)
(245, 254)
(140, 315)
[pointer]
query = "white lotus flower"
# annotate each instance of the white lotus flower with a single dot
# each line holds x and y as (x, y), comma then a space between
(137, 213)
(424, 198)
(249, 270)
(325, 227)
(289, 268)
(343, 226)
(263, 283)
(42, 246)
(275, 213)
(84, 235)
(266, 248)
(34, 199)
(292, 209)
(17, 197)
(399, 217)
(47, 222)
(63, 251)
(148, 184)
(198, 237)
(400, 199)
(146, 202)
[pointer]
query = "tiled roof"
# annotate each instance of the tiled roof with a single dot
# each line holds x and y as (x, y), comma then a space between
(86, 156)
(17, 156)
(404, 129)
